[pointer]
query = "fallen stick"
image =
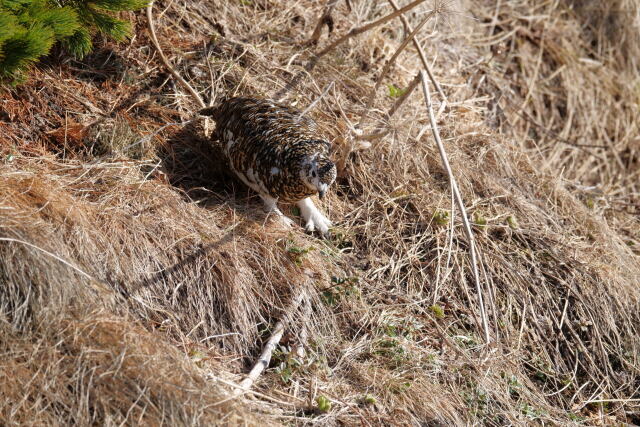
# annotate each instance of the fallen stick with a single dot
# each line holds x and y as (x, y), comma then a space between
(265, 357)
(460, 203)
(166, 63)
(263, 360)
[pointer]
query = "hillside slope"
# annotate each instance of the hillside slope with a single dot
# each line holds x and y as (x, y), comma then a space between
(139, 281)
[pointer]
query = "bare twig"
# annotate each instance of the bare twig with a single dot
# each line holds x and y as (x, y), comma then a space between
(298, 348)
(313, 104)
(165, 61)
(267, 351)
(354, 32)
(154, 133)
(374, 136)
(405, 95)
(389, 63)
(423, 58)
(295, 81)
(460, 202)
(263, 360)
(611, 400)
(325, 18)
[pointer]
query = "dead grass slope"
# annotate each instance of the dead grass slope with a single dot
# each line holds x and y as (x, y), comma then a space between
(138, 280)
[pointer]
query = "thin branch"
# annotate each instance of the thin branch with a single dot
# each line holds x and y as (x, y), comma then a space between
(210, 337)
(325, 18)
(263, 360)
(390, 62)
(374, 136)
(367, 27)
(298, 348)
(265, 357)
(423, 58)
(293, 83)
(165, 61)
(154, 133)
(313, 104)
(460, 203)
(405, 95)
(610, 400)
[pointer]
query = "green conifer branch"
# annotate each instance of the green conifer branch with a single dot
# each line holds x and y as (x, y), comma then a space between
(29, 28)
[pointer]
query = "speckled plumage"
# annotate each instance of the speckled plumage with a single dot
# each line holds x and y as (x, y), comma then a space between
(275, 152)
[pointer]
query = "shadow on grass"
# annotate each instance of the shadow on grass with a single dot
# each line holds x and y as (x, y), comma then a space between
(196, 165)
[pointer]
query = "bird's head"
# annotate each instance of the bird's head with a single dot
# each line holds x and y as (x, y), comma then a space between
(319, 174)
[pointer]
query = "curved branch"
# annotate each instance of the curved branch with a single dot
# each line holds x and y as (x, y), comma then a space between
(166, 63)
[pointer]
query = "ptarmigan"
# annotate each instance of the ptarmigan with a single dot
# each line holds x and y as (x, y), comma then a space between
(276, 152)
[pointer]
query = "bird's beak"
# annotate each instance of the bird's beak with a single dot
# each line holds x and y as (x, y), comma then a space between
(322, 190)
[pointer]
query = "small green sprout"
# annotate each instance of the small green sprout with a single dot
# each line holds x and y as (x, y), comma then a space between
(369, 399)
(575, 418)
(512, 222)
(479, 220)
(437, 311)
(324, 404)
(395, 92)
(287, 364)
(400, 388)
(441, 217)
(530, 411)
(343, 287)
(590, 202)
(297, 253)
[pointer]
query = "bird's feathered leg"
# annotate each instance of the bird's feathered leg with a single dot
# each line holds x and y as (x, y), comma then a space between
(313, 218)
(271, 206)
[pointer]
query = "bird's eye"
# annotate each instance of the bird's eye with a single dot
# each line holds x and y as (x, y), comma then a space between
(313, 174)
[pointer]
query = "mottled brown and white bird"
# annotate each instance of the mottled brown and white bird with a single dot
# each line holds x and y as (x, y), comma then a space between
(275, 151)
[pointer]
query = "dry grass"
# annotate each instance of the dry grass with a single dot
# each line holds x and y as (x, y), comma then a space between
(566, 84)
(183, 276)
(101, 370)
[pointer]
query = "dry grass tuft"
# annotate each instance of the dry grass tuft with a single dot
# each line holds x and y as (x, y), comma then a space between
(565, 80)
(139, 280)
(98, 369)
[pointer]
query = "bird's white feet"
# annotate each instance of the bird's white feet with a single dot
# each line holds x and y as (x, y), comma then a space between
(314, 219)
(271, 207)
